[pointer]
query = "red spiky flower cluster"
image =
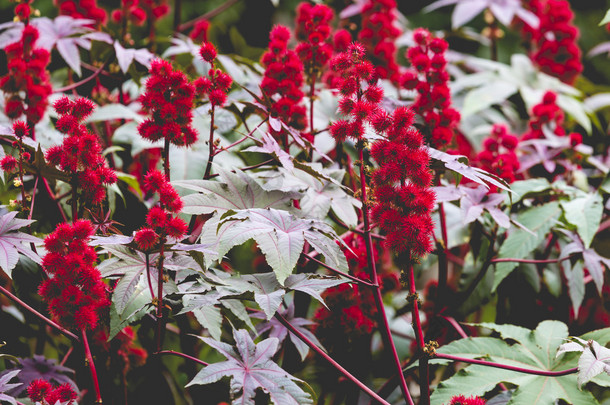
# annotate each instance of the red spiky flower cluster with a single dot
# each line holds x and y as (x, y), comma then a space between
(462, 400)
(9, 163)
(82, 9)
(283, 79)
(553, 45)
(169, 99)
(312, 30)
(498, 155)
(546, 114)
(402, 191)
(26, 84)
(162, 220)
(378, 35)
(41, 391)
(75, 291)
(216, 86)
(430, 79)
(361, 105)
(80, 153)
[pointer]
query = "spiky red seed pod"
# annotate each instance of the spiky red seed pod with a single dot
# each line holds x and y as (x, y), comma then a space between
(146, 238)
(208, 52)
(38, 390)
(9, 163)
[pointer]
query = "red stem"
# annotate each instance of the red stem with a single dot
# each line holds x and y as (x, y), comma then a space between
(329, 359)
(89, 357)
(456, 326)
(507, 367)
(166, 159)
(150, 286)
(83, 81)
(38, 314)
(186, 356)
(211, 155)
(419, 336)
(160, 296)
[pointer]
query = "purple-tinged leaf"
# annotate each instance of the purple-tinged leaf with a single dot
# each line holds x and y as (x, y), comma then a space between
(592, 260)
(604, 47)
(125, 57)
(250, 366)
(10, 33)
(465, 11)
(268, 293)
(452, 162)
(13, 242)
(6, 386)
(275, 123)
(97, 240)
(69, 51)
(312, 284)
(39, 368)
(279, 331)
(352, 9)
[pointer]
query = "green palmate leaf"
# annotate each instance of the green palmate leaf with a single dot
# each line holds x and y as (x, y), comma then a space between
(234, 191)
(585, 213)
(210, 318)
(534, 350)
(279, 234)
(249, 366)
(520, 243)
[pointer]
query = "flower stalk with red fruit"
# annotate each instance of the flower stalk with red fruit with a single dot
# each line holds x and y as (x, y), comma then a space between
(80, 155)
(214, 87)
(162, 222)
(74, 291)
(360, 102)
(169, 99)
(312, 31)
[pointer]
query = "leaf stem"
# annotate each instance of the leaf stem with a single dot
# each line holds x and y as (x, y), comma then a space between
(329, 359)
(340, 273)
(186, 356)
(91, 364)
(38, 314)
(507, 367)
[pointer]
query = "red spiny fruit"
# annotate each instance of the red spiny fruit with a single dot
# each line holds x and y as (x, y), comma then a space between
(428, 76)
(81, 153)
(38, 390)
(378, 34)
(360, 102)
(462, 400)
(498, 155)
(217, 84)
(312, 30)
(547, 114)
(404, 200)
(553, 45)
(27, 84)
(169, 99)
(82, 9)
(162, 221)
(282, 80)
(74, 290)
